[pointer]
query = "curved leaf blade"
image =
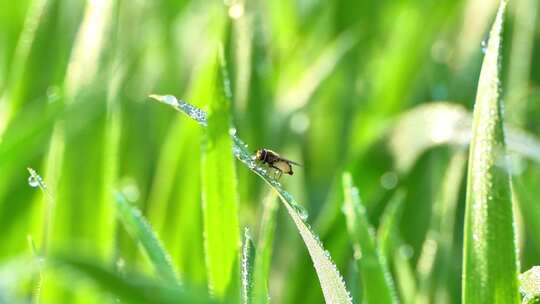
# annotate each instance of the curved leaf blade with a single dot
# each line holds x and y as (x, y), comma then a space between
(132, 288)
(331, 281)
(141, 231)
(263, 254)
(446, 123)
(490, 267)
(248, 265)
(377, 280)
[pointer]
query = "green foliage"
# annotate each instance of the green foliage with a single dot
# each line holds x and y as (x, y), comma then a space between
(383, 90)
(132, 287)
(378, 285)
(142, 232)
(332, 284)
(435, 261)
(490, 262)
(263, 255)
(219, 197)
(248, 265)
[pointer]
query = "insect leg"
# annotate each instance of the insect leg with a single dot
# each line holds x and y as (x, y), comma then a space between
(277, 172)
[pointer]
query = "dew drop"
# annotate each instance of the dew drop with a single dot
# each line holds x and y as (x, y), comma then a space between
(120, 264)
(483, 46)
(170, 100)
(33, 181)
(53, 94)
(389, 180)
(232, 131)
(301, 211)
(357, 253)
(131, 190)
(327, 254)
(406, 251)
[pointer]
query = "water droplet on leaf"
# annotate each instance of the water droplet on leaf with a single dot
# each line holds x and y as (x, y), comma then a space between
(302, 212)
(33, 181)
(483, 46)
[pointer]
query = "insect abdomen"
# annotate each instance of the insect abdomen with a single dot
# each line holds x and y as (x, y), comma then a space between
(283, 167)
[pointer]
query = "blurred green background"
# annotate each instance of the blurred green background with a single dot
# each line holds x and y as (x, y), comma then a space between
(380, 88)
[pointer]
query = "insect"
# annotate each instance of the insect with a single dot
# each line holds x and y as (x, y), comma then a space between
(282, 165)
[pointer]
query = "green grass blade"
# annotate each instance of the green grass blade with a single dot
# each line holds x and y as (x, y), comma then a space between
(445, 123)
(405, 276)
(378, 285)
(248, 263)
(264, 250)
(393, 248)
(35, 180)
(219, 197)
(389, 224)
(141, 231)
(331, 281)
(435, 260)
(174, 205)
(297, 95)
(490, 265)
(129, 288)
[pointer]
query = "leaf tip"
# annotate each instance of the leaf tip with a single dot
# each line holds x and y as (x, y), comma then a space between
(166, 99)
